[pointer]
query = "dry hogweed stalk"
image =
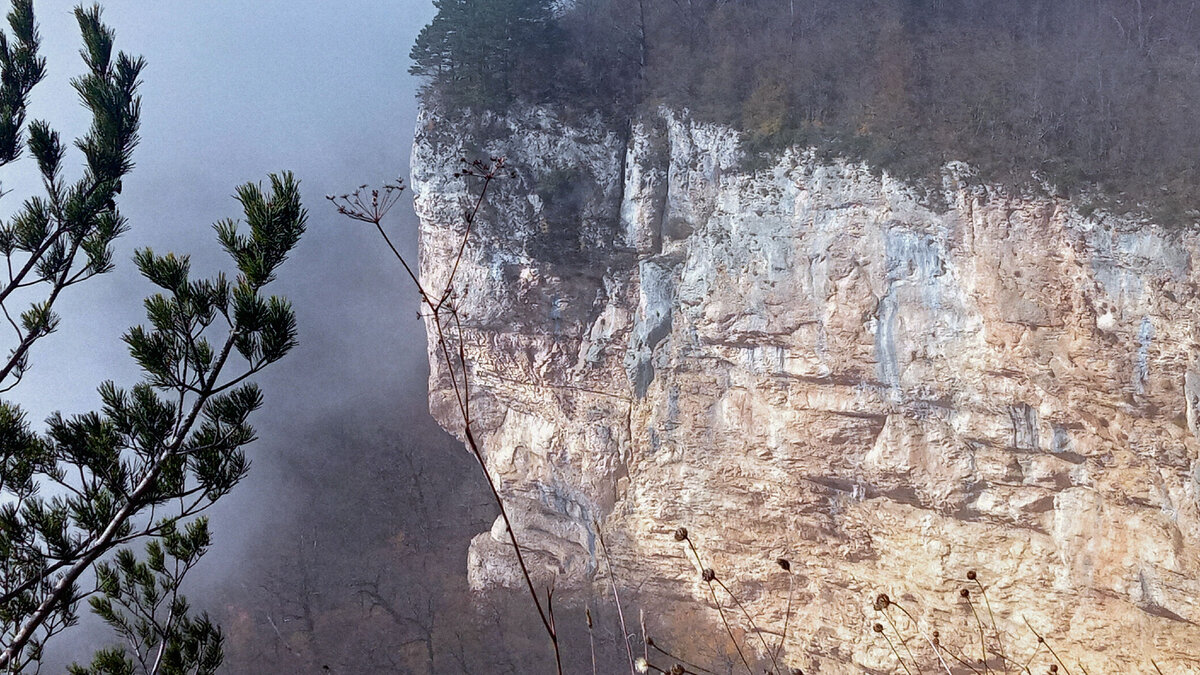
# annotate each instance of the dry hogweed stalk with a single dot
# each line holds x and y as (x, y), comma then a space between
(786, 566)
(882, 603)
(709, 575)
(966, 595)
(371, 206)
(643, 665)
(612, 578)
(878, 629)
(991, 659)
(683, 663)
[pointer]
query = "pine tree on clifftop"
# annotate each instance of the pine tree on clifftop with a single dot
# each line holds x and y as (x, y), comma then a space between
(486, 53)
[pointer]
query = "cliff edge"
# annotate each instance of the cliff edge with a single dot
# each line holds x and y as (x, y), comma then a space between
(806, 361)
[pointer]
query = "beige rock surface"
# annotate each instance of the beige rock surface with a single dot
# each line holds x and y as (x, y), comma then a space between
(805, 361)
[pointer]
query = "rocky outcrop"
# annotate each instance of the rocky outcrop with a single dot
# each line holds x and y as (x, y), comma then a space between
(806, 361)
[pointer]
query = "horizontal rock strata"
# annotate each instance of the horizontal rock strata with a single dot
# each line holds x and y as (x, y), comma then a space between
(805, 360)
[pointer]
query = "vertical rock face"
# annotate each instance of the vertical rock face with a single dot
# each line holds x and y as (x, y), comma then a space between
(804, 361)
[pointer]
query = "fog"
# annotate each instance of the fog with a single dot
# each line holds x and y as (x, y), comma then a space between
(233, 91)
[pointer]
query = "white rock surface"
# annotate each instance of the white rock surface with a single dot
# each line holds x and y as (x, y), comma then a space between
(805, 361)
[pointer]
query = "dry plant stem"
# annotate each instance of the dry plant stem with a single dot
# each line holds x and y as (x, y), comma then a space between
(587, 612)
(1156, 668)
(1025, 667)
(681, 661)
(488, 177)
(934, 647)
(903, 641)
(1007, 661)
(612, 579)
(546, 621)
(642, 623)
(787, 615)
(720, 611)
(897, 654)
(462, 394)
(374, 213)
(553, 624)
(982, 641)
(728, 630)
(1042, 640)
(962, 660)
(752, 625)
(992, 617)
(478, 453)
(657, 669)
(1020, 666)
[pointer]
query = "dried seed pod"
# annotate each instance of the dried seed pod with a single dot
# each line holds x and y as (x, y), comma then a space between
(882, 602)
(966, 593)
(783, 562)
(971, 575)
(878, 628)
(676, 670)
(681, 534)
(708, 574)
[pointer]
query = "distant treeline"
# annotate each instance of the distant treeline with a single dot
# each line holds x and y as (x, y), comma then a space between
(1088, 94)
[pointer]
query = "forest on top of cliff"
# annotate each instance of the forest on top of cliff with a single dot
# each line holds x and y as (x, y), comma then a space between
(1099, 97)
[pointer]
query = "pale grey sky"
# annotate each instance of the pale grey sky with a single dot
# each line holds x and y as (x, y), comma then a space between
(235, 90)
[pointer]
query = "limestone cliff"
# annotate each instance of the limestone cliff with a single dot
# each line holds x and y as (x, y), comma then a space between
(806, 361)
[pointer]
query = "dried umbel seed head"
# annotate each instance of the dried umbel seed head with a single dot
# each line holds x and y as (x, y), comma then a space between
(1053, 668)
(966, 593)
(783, 562)
(708, 574)
(681, 534)
(971, 576)
(882, 602)
(676, 670)
(878, 628)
